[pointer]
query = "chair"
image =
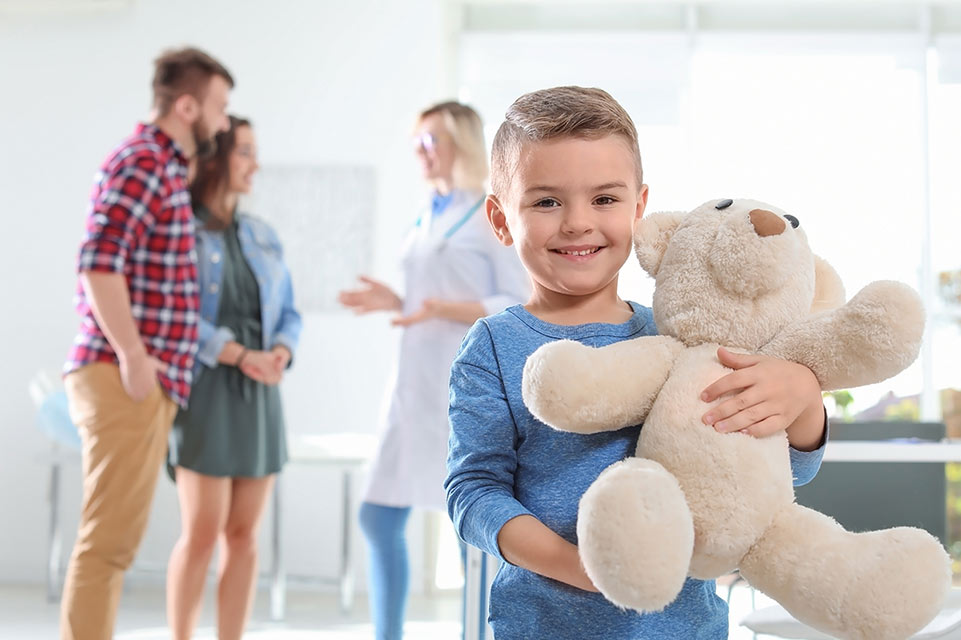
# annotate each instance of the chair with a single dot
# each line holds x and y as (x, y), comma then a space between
(53, 419)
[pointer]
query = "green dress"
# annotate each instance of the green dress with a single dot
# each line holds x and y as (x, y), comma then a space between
(232, 426)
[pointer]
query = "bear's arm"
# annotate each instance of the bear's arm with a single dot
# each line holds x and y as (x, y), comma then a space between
(573, 387)
(872, 337)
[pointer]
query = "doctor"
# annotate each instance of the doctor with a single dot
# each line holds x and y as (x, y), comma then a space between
(455, 272)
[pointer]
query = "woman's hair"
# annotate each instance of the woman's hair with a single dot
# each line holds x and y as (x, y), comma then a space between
(213, 172)
(467, 131)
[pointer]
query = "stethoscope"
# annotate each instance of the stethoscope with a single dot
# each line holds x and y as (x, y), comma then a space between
(442, 242)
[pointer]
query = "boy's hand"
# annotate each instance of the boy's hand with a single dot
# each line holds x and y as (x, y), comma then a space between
(526, 542)
(770, 395)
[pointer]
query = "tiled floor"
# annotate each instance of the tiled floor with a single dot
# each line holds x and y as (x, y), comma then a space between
(25, 615)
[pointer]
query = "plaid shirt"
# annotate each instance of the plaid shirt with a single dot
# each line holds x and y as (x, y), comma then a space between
(140, 224)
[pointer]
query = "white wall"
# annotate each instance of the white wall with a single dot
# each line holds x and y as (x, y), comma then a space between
(325, 82)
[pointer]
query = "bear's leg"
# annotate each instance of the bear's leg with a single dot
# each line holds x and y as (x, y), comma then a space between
(635, 535)
(876, 585)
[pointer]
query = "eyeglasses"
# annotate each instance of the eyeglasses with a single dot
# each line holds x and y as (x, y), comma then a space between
(425, 142)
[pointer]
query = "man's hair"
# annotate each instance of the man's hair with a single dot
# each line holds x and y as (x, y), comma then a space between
(467, 131)
(561, 112)
(185, 71)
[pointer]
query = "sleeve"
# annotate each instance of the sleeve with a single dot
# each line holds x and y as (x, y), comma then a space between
(511, 282)
(290, 324)
(125, 208)
(806, 464)
(288, 331)
(482, 456)
(212, 339)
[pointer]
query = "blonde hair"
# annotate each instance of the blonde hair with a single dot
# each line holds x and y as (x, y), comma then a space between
(467, 131)
(575, 112)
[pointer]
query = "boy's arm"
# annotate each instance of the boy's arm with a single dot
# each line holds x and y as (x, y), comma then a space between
(527, 542)
(481, 462)
(482, 456)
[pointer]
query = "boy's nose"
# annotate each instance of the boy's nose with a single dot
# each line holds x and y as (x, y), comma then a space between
(577, 220)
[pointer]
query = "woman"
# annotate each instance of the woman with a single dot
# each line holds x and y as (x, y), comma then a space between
(455, 272)
(228, 445)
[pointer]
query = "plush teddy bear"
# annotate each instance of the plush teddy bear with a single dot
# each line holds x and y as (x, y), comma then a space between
(696, 502)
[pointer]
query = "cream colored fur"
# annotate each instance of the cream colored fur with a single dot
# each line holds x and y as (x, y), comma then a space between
(698, 503)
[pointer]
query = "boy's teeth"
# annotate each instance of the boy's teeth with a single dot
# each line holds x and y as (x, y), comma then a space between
(579, 253)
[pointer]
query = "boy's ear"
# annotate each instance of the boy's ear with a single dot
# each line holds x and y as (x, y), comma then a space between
(498, 220)
(651, 237)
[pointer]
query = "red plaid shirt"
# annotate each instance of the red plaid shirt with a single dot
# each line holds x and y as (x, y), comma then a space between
(140, 224)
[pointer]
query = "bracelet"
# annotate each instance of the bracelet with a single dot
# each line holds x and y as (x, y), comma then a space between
(240, 359)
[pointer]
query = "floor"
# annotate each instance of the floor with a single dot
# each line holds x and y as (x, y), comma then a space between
(25, 614)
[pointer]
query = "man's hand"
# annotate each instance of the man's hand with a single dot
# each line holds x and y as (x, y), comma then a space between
(138, 373)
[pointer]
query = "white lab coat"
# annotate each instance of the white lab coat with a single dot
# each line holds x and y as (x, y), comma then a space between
(466, 264)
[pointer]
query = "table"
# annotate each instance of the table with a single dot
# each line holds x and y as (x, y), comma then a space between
(348, 452)
(892, 451)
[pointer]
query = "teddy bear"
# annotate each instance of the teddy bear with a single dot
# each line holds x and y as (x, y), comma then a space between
(699, 503)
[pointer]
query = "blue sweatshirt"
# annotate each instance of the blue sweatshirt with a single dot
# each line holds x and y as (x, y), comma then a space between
(503, 463)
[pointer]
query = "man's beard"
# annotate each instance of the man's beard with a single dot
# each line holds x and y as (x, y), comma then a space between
(204, 141)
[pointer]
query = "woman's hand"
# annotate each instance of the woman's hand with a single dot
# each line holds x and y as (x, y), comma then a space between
(261, 366)
(375, 296)
(282, 357)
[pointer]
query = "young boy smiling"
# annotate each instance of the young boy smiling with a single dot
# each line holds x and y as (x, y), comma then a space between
(567, 191)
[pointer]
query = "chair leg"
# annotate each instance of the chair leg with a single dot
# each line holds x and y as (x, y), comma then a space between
(55, 542)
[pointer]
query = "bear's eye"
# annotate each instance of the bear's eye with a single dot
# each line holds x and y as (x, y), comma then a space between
(794, 221)
(724, 204)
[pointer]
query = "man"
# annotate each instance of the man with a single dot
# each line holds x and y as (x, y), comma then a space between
(130, 365)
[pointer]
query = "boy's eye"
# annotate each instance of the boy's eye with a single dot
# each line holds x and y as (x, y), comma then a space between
(602, 200)
(545, 203)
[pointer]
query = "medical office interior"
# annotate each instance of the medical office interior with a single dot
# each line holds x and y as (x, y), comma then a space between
(846, 114)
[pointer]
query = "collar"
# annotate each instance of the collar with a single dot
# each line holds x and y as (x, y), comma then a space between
(148, 130)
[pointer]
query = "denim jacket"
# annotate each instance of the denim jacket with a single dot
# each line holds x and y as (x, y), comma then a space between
(261, 248)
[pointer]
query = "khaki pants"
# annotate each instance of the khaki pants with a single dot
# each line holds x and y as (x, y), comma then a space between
(124, 445)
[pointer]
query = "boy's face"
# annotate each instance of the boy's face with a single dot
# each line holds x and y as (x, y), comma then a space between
(571, 211)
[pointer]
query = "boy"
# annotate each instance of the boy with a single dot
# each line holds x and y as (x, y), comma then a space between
(567, 191)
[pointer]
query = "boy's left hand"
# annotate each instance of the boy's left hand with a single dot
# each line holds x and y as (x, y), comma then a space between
(769, 394)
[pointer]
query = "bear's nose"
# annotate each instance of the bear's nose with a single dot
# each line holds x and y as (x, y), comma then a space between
(766, 223)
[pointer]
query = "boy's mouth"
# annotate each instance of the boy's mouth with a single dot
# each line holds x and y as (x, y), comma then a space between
(577, 251)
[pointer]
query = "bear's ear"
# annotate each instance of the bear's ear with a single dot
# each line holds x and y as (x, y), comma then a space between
(828, 288)
(651, 237)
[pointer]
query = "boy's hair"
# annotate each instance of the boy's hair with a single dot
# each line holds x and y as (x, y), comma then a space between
(467, 131)
(561, 112)
(184, 71)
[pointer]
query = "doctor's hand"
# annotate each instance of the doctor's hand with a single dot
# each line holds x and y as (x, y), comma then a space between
(432, 308)
(375, 296)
